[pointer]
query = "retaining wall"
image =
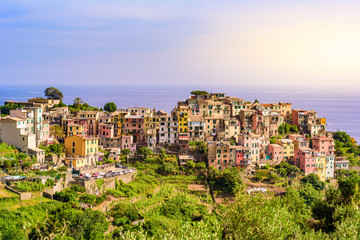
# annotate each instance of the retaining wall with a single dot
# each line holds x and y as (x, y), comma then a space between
(99, 186)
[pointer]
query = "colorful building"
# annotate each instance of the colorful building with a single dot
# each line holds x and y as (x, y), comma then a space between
(276, 153)
(304, 160)
(320, 166)
(288, 149)
(82, 146)
(324, 145)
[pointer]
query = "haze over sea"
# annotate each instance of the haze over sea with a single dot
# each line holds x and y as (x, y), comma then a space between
(339, 106)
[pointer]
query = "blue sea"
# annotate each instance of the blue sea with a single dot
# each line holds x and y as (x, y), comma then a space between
(339, 106)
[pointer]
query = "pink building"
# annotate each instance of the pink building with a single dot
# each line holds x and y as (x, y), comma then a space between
(323, 145)
(45, 129)
(305, 160)
(276, 152)
(106, 130)
(123, 142)
(183, 143)
(127, 143)
(134, 124)
(243, 157)
(253, 142)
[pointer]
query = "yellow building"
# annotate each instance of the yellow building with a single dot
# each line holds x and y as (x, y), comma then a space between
(151, 126)
(76, 162)
(321, 166)
(288, 148)
(118, 119)
(72, 129)
(182, 114)
(82, 146)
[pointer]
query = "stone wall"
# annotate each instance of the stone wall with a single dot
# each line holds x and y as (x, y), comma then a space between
(98, 168)
(99, 186)
(23, 195)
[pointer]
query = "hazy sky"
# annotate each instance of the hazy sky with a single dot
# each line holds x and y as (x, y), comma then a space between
(180, 42)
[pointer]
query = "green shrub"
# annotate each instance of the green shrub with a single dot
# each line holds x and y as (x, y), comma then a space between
(87, 198)
(65, 196)
(62, 169)
(78, 188)
(100, 199)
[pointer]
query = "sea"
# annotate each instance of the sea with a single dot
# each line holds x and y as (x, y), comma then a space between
(341, 106)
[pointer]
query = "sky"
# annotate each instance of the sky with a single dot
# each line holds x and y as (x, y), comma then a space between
(234, 42)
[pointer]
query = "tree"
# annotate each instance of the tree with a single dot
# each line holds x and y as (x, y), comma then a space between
(294, 128)
(341, 136)
(199, 93)
(145, 151)
(125, 152)
(314, 180)
(5, 110)
(53, 93)
(78, 102)
(256, 100)
(61, 104)
(110, 107)
(87, 198)
(57, 132)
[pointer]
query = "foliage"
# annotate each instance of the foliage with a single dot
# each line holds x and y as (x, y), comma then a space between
(5, 109)
(80, 105)
(141, 185)
(314, 180)
(144, 151)
(100, 199)
(62, 169)
(77, 188)
(99, 183)
(53, 93)
(57, 149)
(29, 186)
(287, 170)
(57, 132)
(124, 213)
(228, 181)
(110, 107)
(125, 152)
(61, 104)
(200, 146)
(345, 145)
(166, 168)
(87, 198)
(286, 128)
(66, 195)
(199, 93)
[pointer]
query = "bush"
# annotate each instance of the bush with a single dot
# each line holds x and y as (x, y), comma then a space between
(77, 188)
(65, 196)
(125, 212)
(62, 169)
(87, 198)
(100, 199)
(27, 186)
(314, 180)
(49, 182)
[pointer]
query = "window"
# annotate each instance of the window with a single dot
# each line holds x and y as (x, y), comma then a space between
(73, 144)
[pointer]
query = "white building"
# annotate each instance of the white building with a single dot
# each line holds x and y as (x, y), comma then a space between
(330, 167)
(13, 131)
(168, 127)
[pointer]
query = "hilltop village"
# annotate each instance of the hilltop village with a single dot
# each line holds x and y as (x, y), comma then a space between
(237, 133)
(215, 167)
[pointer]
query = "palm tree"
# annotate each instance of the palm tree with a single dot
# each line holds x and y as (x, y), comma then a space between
(78, 102)
(57, 132)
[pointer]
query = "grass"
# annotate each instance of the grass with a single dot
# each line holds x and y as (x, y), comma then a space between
(13, 203)
(6, 193)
